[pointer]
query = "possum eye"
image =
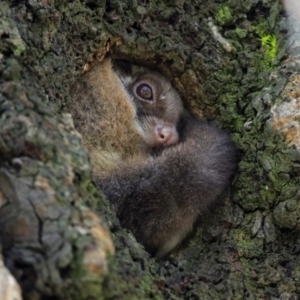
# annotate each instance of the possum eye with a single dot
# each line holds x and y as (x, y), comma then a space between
(144, 91)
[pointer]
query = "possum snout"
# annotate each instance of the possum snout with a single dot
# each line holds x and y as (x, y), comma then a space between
(166, 135)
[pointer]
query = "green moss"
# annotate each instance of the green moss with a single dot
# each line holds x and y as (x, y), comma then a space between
(268, 194)
(88, 187)
(243, 241)
(242, 33)
(224, 15)
(270, 45)
(247, 245)
(138, 284)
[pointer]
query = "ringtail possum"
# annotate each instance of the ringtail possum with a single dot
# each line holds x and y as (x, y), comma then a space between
(171, 168)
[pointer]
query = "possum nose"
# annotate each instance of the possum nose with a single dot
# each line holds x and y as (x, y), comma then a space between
(166, 135)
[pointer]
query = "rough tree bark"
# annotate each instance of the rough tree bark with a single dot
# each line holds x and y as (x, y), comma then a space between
(226, 60)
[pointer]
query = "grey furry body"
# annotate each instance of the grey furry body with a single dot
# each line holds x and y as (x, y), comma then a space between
(161, 198)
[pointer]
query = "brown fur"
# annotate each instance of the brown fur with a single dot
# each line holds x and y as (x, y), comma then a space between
(104, 115)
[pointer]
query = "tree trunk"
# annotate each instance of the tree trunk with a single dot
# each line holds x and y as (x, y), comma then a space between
(225, 60)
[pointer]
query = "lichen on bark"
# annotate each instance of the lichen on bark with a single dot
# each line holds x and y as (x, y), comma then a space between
(219, 56)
